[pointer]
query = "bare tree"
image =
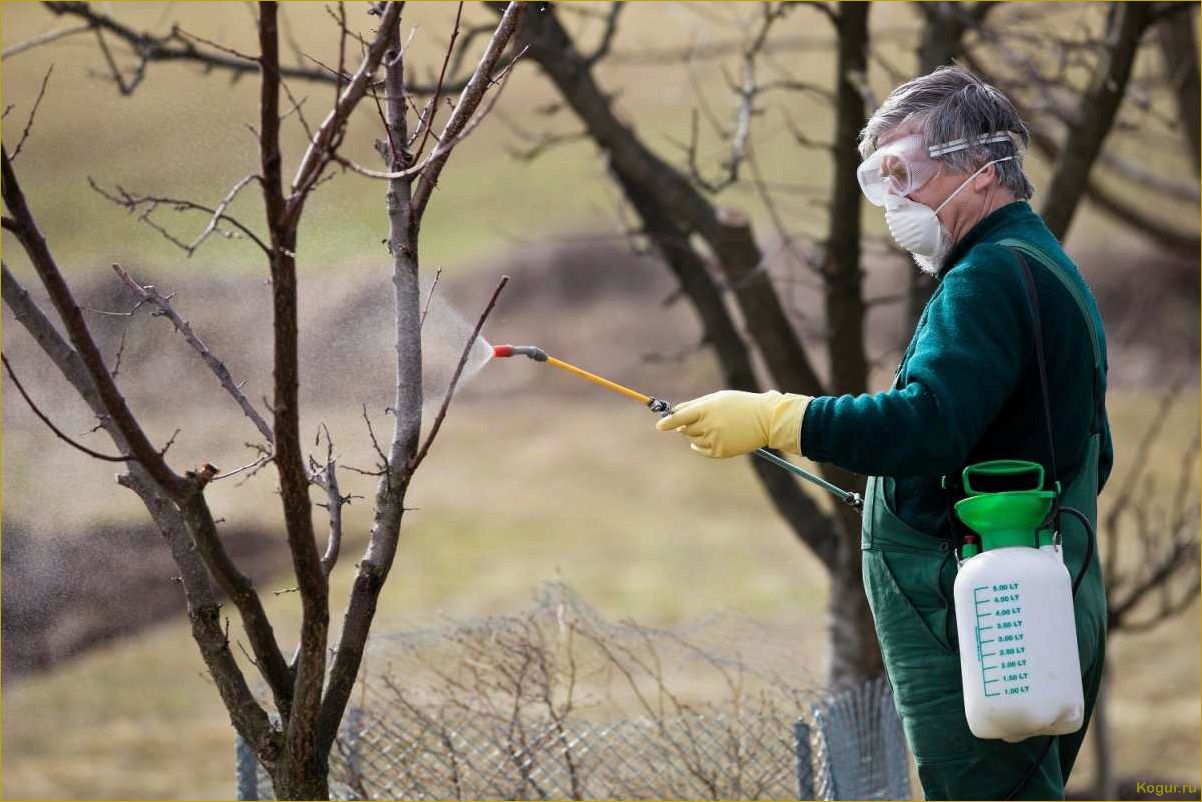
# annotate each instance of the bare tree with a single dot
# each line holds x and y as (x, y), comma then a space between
(308, 699)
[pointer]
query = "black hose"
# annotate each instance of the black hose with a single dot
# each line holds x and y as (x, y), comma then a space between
(1089, 549)
(1089, 546)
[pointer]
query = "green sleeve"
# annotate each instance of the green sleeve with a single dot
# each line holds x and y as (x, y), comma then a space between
(966, 360)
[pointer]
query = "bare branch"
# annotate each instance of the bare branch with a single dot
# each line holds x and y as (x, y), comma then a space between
(43, 39)
(1139, 174)
(467, 350)
(229, 51)
(826, 11)
(326, 477)
(250, 468)
(150, 203)
(1133, 216)
(542, 143)
(57, 431)
(195, 554)
(147, 293)
(438, 155)
(175, 47)
(324, 142)
(32, 113)
(429, 298)
(123, 86)
(60, 294)
(428, 122)
(607, 38)
(460, 122)
(375, 444)
(342, 33)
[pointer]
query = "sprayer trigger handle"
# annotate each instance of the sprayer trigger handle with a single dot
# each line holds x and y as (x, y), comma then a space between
(664, 408)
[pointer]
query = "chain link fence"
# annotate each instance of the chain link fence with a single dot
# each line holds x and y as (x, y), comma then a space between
(557, 703)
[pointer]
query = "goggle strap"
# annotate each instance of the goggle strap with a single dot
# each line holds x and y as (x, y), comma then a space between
(966, 142)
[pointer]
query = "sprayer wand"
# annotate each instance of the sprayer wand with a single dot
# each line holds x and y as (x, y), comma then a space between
(663, 407)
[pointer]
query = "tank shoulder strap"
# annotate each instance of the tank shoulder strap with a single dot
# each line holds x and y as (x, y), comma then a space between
(1057, 270)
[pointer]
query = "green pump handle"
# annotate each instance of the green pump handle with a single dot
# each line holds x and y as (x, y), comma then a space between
(1001, 467)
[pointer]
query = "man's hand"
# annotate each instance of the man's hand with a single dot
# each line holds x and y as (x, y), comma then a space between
(730, 422)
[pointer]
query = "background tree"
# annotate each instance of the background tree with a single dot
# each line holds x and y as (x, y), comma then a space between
(308, 694)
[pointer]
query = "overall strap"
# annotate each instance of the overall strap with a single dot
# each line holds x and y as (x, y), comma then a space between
(1095, 340)
(1033, 297)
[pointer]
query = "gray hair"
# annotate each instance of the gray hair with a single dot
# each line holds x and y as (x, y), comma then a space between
(952, 103)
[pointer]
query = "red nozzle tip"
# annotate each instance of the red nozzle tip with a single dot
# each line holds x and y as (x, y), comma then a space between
(502, 350)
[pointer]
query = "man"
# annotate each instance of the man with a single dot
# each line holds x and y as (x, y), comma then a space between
(943, 156)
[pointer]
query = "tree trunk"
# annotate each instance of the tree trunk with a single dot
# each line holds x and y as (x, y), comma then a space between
(855, 654)
(1098, 109)
(1180, 52)
(307, 780)
(941, 37)
(1105, 784)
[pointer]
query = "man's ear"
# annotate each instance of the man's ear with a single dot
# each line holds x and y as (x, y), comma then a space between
(985, 179)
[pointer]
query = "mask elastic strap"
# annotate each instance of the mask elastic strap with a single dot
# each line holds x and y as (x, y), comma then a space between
(971, 177)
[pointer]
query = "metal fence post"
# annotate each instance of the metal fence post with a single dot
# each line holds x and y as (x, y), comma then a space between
(246, 769)
(805, 759)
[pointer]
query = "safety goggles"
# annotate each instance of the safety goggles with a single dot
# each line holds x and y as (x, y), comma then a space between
(905, 165)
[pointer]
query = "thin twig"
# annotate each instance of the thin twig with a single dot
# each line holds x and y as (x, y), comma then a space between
(151, 202)
(229, 51)
(253, 466)
(426, 308)
(442, 150)
(374, 442)
(441, 78)
(341, 50)
(219, 212)
(149, 293)
(53, 428)
(32, 113)
(122, 86)
(467, 350)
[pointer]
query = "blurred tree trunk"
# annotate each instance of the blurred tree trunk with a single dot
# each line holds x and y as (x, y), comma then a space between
(1180, 51)
(1105, 783)
(853, 634)
(1087, 130)
(945, 24)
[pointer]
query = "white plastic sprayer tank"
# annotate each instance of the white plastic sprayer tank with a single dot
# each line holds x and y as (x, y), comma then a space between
(1018, 644)
(1014, 613)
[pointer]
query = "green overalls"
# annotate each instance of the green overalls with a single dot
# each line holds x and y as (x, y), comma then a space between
(909, 576)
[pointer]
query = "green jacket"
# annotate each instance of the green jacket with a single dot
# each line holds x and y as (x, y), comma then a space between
(967, 389)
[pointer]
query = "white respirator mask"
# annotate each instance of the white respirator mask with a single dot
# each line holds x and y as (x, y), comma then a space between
(904, 166)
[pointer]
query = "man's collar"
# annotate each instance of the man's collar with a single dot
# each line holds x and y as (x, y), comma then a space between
(984, 230)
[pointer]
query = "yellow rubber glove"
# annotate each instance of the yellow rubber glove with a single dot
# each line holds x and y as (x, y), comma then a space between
(730, 422)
